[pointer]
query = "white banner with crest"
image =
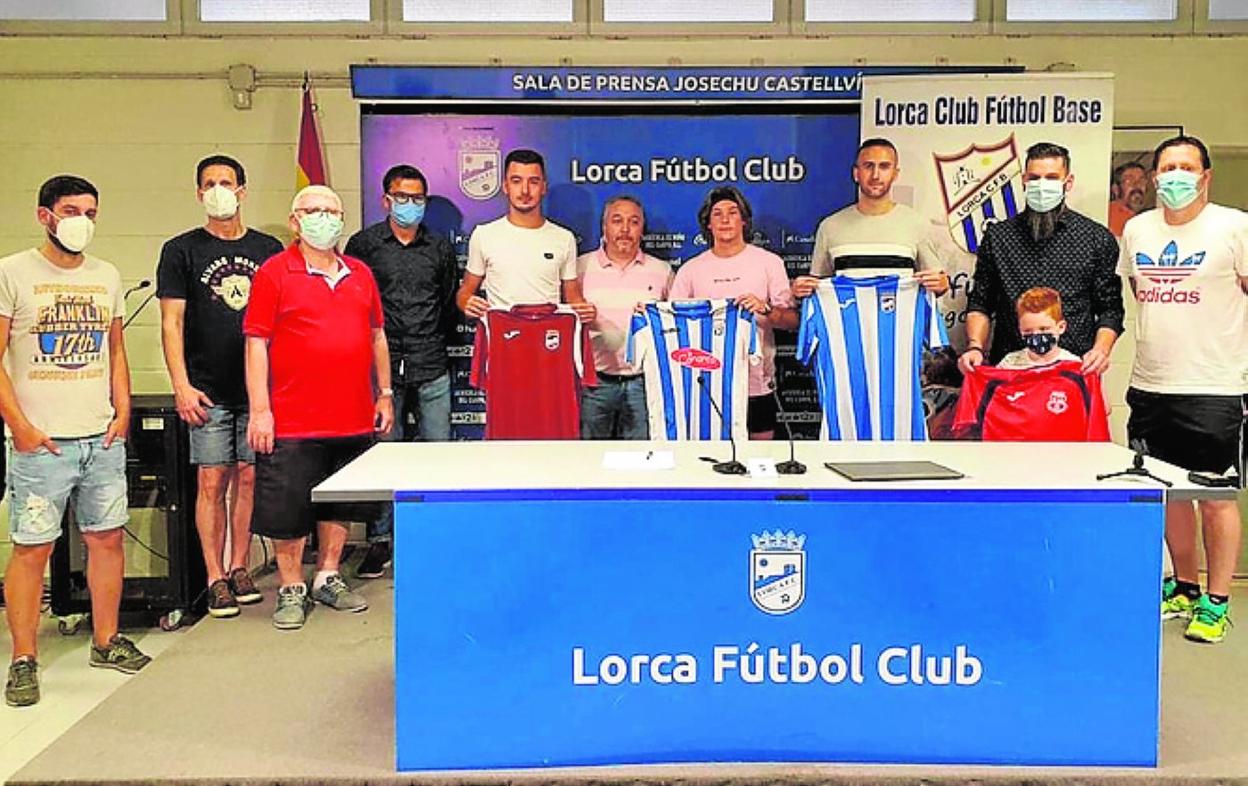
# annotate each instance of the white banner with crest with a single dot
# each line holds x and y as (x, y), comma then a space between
(962, 141)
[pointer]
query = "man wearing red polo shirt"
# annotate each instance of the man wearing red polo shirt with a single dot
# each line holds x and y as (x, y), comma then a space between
(318, 383)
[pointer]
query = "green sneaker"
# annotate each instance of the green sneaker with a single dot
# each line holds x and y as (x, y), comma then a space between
(1173, 604)
(22, 687)
(1209, 621)
(120, 654)
(292, 607)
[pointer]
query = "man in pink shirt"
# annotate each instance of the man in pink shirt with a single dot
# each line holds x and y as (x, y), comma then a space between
(615, 278)
(756, 279)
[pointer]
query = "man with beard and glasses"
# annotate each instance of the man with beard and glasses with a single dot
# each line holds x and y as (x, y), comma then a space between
(1128, 189)
(1046, 245)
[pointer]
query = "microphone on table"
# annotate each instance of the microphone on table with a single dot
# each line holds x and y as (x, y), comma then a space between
(792, 466)
(144, 284)
(732, 466)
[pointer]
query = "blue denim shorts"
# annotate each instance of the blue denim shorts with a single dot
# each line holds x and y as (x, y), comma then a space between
(223, 439)
(42, 484)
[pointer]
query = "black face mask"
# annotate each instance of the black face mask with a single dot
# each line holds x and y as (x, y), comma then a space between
(1040, 343)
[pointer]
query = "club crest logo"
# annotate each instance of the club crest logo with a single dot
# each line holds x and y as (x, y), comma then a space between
(479, 167)
(778, 571)
(980, 186)
(888, 304)
(1168, 269)
(1057, 402)
(552, 340)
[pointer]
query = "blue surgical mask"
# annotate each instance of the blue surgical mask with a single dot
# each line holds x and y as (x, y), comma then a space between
(1178, 188)
(407, 214)
(1043, 194)
(1040, 343)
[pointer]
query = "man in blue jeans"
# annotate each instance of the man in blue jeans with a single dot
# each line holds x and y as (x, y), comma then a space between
(65, 398)
(416, 273)
(616, 277)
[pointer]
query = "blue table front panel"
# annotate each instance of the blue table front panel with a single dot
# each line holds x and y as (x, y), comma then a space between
(526, 632)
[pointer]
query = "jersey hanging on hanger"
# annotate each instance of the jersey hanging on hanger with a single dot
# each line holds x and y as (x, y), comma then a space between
(693, 353)
(864, 339)
(531, 362)
(1054, 403)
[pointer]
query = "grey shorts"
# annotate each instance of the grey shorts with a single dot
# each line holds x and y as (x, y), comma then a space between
(223, 439)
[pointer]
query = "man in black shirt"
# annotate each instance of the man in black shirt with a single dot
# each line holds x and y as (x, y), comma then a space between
(1046, 245)
(416, 273)
(203, 282)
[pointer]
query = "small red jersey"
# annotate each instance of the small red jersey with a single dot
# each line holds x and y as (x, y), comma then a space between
(320, 344)
(1055, 403)
(531, 362)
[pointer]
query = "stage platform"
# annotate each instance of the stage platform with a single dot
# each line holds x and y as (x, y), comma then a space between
(238, 702)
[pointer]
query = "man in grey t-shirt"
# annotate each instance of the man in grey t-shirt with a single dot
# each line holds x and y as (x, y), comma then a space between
(875, 235)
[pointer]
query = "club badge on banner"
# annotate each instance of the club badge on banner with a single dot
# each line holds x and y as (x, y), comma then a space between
(963, 141)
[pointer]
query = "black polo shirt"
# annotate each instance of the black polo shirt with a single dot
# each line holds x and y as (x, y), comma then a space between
(417, 284)
(1079, 261)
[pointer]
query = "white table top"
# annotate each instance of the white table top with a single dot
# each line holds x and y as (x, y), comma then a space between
(391, 467)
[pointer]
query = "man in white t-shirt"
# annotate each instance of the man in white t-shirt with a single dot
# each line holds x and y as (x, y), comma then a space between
(521, 258)
(875, 235)
(65, 398)
(1188, 267)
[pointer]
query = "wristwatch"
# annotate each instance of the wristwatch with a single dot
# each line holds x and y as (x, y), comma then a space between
(386, 393)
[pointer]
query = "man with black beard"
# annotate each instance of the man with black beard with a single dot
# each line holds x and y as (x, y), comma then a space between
(1046, 245)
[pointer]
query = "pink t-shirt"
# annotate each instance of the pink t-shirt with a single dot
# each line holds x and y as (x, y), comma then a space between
(616, 291)
(753, 271)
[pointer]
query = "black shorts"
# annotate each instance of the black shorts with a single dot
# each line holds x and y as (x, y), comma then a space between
(1199, 433)
(761, 414)
(284, 480)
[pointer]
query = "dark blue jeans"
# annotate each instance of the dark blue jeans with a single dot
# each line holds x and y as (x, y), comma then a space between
(430, 406)
(616, 409)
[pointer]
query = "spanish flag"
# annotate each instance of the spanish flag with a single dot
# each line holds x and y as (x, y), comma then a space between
(310, 169)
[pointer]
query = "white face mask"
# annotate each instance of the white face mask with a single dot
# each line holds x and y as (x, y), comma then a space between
(75, 232)
(220, 202)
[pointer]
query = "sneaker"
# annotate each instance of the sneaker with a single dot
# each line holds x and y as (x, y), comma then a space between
(1209, 621)
(120, 654)
(22, 687)
(243, 587)
(337, 595)
(375, 561)
(292, 607)
(1173, 604)
(221, 601)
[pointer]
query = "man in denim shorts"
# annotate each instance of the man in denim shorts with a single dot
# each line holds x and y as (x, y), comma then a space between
(204, 284)
(65, 397)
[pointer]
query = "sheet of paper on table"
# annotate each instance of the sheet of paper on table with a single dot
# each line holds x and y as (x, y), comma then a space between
(638, 460)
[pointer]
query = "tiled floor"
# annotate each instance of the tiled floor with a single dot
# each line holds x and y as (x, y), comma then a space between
(72, 689)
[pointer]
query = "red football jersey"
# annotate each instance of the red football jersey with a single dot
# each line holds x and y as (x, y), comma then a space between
(531, 362)
(1055, 403)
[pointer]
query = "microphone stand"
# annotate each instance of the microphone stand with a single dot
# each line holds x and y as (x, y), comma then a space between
(732, 466)
(792, 466)
(1135, 470)
(144, 284)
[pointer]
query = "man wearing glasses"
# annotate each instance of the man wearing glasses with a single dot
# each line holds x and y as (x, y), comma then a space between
(318, 385)
(415, 271)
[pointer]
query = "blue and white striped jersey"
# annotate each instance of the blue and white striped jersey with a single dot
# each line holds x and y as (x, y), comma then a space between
(678, 343)
(864, 339)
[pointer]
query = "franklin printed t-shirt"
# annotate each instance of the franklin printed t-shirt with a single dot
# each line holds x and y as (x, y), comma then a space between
(58, 340)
